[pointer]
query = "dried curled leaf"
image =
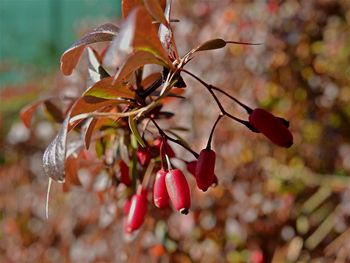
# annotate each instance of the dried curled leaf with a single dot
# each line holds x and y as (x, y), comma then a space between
(70, 57)
(55, 154)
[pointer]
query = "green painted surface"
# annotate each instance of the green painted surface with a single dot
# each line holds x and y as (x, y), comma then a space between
(36, 32)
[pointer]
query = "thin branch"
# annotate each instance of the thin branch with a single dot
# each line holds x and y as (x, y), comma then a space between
(223, 111)
(212, 131)
(162, 133)
(248, 109)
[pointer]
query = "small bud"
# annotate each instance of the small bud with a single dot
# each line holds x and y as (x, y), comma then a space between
(178, 190)
(144, 156)
(167, 148)
(124, 173)
(272, 127)
(137, 212)
(205, 169)
(160, 192)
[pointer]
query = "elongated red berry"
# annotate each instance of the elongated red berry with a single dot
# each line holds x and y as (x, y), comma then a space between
(178, 190)
(137, 212)
(272, 127)
(205, 169)
(160, 192)
(191, 167)
(144, 156)
(127, 205)
(124, 173)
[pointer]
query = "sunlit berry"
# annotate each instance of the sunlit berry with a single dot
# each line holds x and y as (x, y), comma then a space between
(160, 192)
(178, 190)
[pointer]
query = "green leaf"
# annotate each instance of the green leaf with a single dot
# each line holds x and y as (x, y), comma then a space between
(135, 131)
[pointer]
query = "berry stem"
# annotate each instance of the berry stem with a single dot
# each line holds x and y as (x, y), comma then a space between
(168, 162)
(162, 133)
(212, 131)
(223, 111)
(248, 109)
(242, 43)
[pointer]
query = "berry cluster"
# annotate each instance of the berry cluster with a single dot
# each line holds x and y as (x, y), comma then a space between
(170, 185)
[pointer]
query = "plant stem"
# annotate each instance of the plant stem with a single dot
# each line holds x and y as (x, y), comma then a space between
(162, 133)
(242, 43)
(248, 109)
(212, 131)
(223, 111)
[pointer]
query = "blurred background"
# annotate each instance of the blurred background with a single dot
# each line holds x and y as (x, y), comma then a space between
(271, 204)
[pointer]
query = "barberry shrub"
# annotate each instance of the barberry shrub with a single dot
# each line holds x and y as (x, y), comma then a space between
(121, 107)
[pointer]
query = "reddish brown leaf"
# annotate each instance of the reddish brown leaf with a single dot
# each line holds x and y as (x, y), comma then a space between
(106, 90)
(136, 33)
(70, 57)
(155, 9)
(89, 104)
(211, 44)
(89, 131)
(150, 79)
(71, 171)
(55, 112)
(27, 112)
(128, 5)
(135, 61)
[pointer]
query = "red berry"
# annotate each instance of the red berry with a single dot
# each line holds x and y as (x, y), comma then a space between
(124, 173)
(179, 191)
(191, 167)
(272, 127)
(144, 156)
(257, 257)
(137, 212)
(160, 192)
(205, 169)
